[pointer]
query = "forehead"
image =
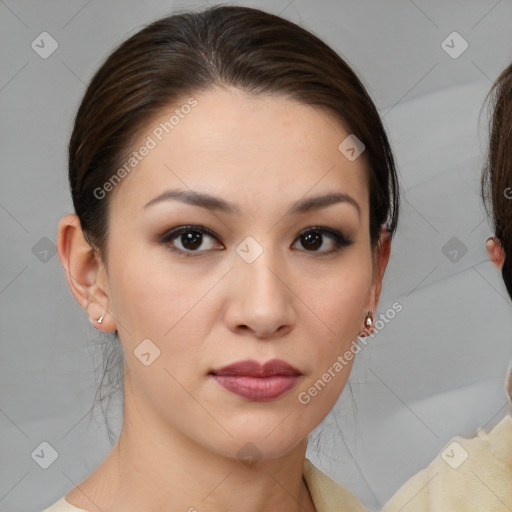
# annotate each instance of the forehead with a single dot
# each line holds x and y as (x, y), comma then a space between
(242, 146)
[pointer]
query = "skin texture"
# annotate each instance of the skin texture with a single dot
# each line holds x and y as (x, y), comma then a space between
(182, 430)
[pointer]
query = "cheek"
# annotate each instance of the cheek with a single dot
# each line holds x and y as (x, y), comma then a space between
(163, 303)
(150, 295)
(339, 299)
(340, 302)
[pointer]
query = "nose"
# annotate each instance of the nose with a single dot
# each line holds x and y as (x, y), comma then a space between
(260, 298)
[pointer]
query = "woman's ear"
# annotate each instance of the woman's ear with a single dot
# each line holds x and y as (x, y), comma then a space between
(85, 273)
(495, 251)
(381, 259)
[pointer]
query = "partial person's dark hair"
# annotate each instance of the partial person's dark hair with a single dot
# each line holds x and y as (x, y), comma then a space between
(497, 175)
(223, 46)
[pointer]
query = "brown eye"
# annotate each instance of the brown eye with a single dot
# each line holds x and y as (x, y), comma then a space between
(314, 238)
(312, 241)
(190, 239)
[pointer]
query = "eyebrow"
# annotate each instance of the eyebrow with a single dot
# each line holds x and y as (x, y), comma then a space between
(216, 203)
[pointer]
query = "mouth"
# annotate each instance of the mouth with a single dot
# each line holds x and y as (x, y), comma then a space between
(258, 382)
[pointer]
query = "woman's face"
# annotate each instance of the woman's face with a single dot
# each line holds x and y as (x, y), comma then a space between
(246, 281)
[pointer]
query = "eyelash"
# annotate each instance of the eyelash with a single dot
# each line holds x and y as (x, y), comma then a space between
(340, 240)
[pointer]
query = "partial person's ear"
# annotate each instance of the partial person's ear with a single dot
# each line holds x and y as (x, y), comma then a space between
(380, 262)
(495, 251)
(381, 259)
(85, 273)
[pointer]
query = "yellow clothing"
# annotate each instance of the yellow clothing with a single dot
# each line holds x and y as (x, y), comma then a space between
(469, 475)
(327, 495)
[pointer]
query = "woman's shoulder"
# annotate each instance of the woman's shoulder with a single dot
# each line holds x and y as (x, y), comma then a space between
(327, 495)
(468, 474)
(63, 506)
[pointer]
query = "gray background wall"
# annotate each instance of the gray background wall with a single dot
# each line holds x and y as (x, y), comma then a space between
(436, 370)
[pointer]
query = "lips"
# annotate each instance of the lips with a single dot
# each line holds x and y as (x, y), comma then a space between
(254, 369)
(258, 382)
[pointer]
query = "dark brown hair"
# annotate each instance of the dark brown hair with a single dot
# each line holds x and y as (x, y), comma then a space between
(222, 46)
(497, 175)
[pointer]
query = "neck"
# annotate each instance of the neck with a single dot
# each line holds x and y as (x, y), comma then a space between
(154, 467)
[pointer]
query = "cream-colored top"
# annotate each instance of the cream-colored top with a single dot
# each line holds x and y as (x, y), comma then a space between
(327, 495)
(469, 475)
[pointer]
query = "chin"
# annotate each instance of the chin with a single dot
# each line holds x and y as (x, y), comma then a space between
(268, 443)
